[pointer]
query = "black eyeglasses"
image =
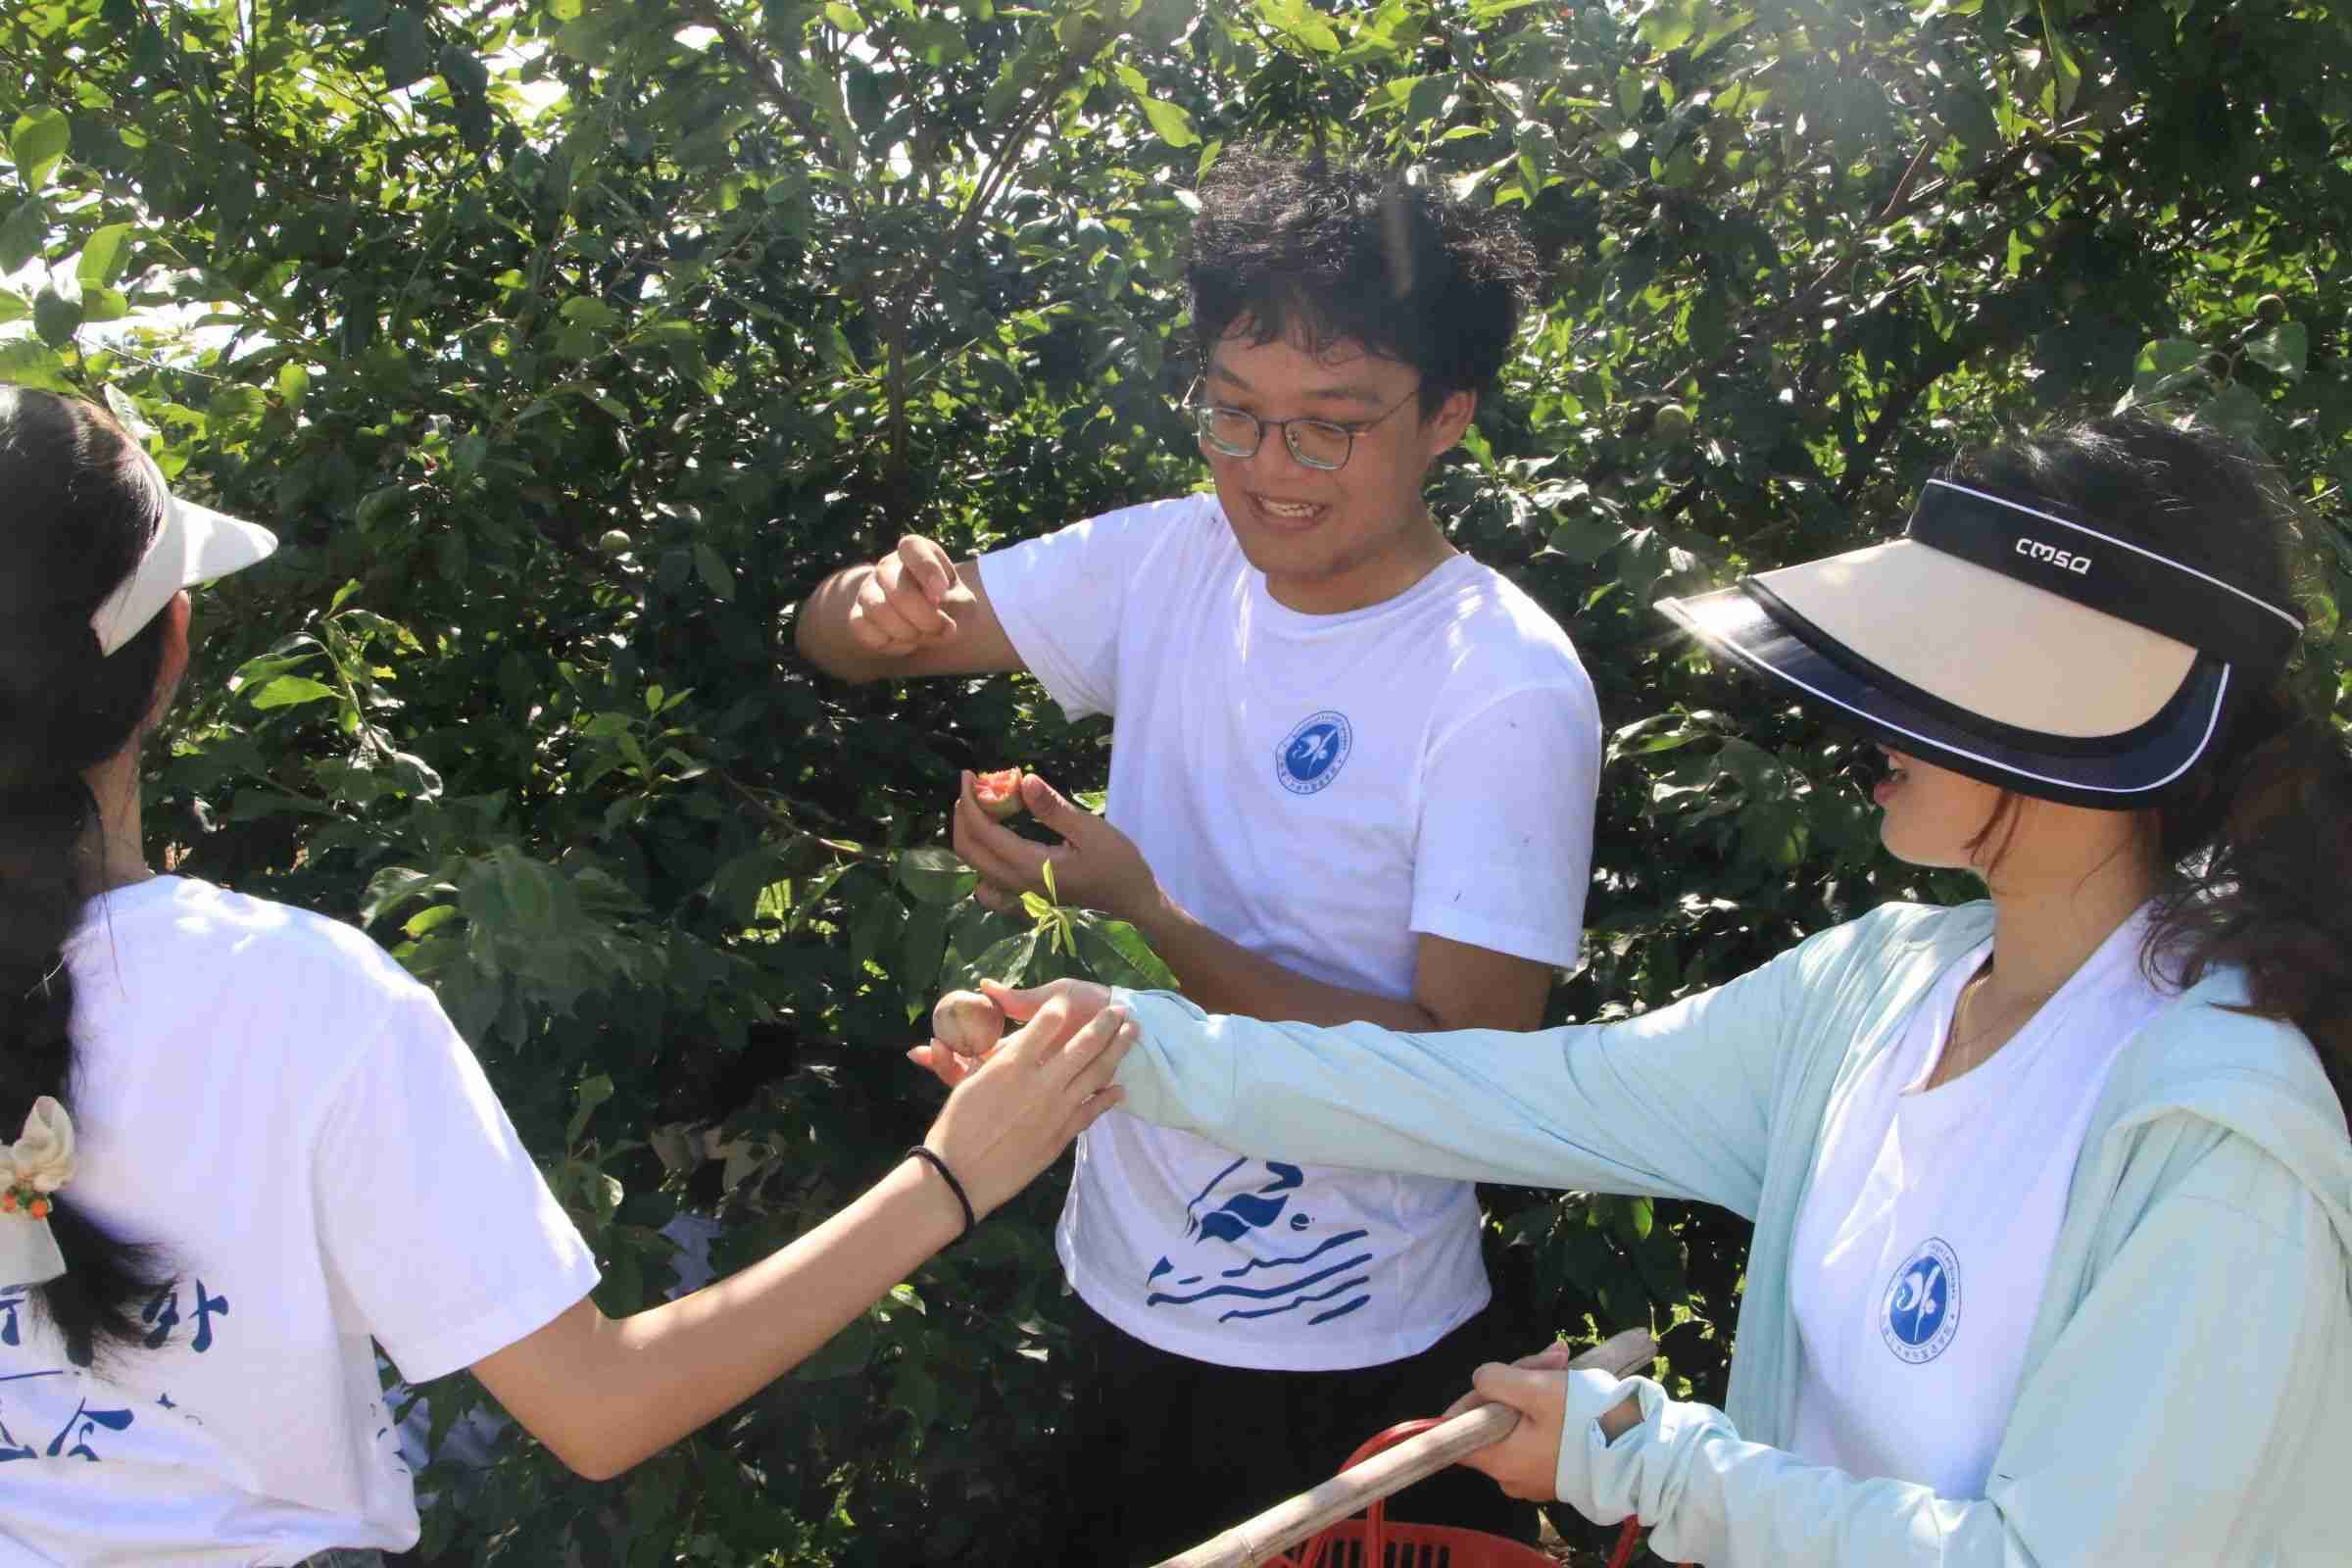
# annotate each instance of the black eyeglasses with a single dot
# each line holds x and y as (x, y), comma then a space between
(1315, 443)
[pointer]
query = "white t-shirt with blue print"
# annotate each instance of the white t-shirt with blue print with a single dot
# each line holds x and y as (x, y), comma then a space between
(1321, 790)
(269, 1098)
(1925, 1236)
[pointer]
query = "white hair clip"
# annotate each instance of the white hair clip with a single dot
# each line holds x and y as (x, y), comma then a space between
(32, 1170)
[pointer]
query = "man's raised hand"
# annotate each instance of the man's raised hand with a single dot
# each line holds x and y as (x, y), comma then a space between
(1096, 867)
(906, 602)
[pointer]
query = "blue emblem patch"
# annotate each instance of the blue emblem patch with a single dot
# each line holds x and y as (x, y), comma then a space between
(1311, 755)
(1921, 1310)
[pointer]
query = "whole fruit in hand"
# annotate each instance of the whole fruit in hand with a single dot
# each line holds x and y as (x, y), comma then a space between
(999, 793)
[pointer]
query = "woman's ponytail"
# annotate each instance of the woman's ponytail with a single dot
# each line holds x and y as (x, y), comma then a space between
(79, 518)
(2266, 885)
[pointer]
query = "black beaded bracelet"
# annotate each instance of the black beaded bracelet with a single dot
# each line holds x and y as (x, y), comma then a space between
(970, 1219)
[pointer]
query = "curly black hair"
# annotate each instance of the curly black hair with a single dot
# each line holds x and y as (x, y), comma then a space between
(1322, 252)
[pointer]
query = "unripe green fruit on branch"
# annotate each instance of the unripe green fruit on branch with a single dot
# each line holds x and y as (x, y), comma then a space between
(616, 542)
(1672, 423)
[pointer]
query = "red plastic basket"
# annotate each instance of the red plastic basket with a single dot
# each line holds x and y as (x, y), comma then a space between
(1374, 1540)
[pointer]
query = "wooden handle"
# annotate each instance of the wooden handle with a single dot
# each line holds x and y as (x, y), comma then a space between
(1301, 1518)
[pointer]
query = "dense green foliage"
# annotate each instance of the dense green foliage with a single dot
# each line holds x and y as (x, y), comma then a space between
(568, 342)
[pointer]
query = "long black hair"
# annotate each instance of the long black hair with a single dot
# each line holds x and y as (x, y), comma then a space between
(2256, 841)
(79, 515)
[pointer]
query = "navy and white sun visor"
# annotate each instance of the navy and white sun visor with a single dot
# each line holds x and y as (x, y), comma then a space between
(2010, 644)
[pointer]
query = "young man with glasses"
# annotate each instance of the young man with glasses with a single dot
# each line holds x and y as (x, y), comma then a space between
(1340, 749)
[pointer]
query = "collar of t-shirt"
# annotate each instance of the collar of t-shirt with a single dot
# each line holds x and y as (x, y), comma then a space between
(1447, 577)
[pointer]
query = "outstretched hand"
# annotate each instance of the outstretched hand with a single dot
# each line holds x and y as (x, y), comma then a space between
(966, 1025)
(1096, 867)
(1016, 1111)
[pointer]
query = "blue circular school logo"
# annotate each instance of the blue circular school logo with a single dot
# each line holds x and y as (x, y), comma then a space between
(1921, 1310)
(1311, 756)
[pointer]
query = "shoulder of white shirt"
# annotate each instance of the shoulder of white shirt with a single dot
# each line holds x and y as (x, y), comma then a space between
(201, 930)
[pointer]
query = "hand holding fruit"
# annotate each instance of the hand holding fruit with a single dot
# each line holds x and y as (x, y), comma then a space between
(1096, 867)
(1039, 1089)
(905, 600)
(965, 1027)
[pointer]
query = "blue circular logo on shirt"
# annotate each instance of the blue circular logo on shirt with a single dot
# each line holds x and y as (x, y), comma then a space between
(1921, 1310)
(1311, 755)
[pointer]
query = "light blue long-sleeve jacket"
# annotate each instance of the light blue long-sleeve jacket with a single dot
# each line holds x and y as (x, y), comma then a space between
(2187, 1388)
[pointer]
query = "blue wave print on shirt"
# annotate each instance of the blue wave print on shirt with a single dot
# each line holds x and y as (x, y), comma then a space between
(1243, 1212)
(1238, 1204)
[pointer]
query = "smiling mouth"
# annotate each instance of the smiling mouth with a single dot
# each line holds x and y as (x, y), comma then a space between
(1294, 511)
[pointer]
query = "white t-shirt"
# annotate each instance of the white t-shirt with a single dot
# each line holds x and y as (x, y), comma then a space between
(1925, 1236)
(1318, 789)
(273, 1101)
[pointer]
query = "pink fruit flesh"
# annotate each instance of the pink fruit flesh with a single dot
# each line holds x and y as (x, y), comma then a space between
(998, 794)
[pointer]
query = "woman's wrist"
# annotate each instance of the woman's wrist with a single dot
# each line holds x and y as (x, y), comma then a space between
(1620, 1419)
(925, 1203)
(931, 1161)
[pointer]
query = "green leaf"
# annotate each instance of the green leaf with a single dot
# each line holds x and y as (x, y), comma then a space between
(1119, 954)
(587, 310)
(1672, 23)
(934, 875)
(37, 143)
(593, 1091)
(844, 19)
(56, 318)
(1585, 539)
(2161, 364)
(405, 48)
(865, 100)
(1007, 962)
(1300, 20)
(923, 948)
(291, 691)
(712, 569)
(29, 363)
(2066, 71)
(22, 235)
(1174, 126)
(2283, 350)
(105, 255)
(2236, 410)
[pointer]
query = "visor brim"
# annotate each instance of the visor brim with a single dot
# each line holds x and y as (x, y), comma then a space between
(194, 545)
(2119, 772)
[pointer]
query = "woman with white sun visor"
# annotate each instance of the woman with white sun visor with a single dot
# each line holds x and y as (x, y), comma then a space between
(2052, 1193)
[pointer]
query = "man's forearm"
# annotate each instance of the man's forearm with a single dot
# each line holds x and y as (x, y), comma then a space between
(1223, 976)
